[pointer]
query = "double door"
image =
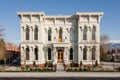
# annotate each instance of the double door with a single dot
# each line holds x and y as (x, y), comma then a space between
(60, 56)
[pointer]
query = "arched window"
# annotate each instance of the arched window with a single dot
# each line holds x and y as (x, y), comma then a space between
(71, 53)
(85, 33)
(71, 35)
(60, 35)
(36, 53)
(93, 52)
(27, 33)
(93, 33)
(36, 33)
(49, 53)
(85, 53)
(49, 34)
(27, 53)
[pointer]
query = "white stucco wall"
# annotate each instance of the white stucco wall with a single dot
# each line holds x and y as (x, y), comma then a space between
(44, 22)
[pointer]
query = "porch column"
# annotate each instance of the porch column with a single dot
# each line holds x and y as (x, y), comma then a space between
(65, 55)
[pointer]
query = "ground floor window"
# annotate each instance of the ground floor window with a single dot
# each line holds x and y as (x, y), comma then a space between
(36, 53)
(27, 53)
(85, 53)
(71, 53)
(93, 53)
(49, 53)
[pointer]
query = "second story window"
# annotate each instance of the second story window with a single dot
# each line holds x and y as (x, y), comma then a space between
(60, 35)
(49, 34)
(71, 35)
(85, 33)
(93, 33)
(27, 33)
(36, 33)
(85, 53)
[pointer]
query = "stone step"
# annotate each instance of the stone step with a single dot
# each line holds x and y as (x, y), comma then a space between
(60, 67)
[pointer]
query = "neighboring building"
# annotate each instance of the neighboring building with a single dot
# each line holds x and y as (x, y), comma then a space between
(60, 38)
(11, 53)
(8, 52)
(114, 52)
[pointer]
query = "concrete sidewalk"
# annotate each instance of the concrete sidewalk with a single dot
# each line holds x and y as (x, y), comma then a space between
(59, 74)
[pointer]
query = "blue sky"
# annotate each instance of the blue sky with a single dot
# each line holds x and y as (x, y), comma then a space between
(110, 23)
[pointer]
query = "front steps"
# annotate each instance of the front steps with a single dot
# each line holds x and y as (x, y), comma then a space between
(60, 67)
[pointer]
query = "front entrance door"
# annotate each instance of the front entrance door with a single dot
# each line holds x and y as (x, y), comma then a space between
(60, 56)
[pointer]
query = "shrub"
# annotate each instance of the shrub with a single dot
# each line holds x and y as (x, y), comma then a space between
(81, 63)
(27, 67)
(96, 63)
(22, 68)
(48, 64)
(34, 63)
(72, 64)
(89, 67)
(118, 69)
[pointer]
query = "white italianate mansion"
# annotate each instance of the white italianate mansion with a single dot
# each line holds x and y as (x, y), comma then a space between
(60, 38)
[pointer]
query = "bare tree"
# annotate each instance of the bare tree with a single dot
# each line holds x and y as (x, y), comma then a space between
(104, 39)
(2, 50)
(104, 46)
(1, 32)
(2, 45)
(105, 42)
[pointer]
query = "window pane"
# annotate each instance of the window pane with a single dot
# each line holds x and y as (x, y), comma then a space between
(49, 53)
(36, 33)
(27, 53)
(71, 53)
(36, 53)
(85, 33)
(27, 33)
(93, 33)
(85, 53)
(49, 35)
(93, 53)
(60, 35)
